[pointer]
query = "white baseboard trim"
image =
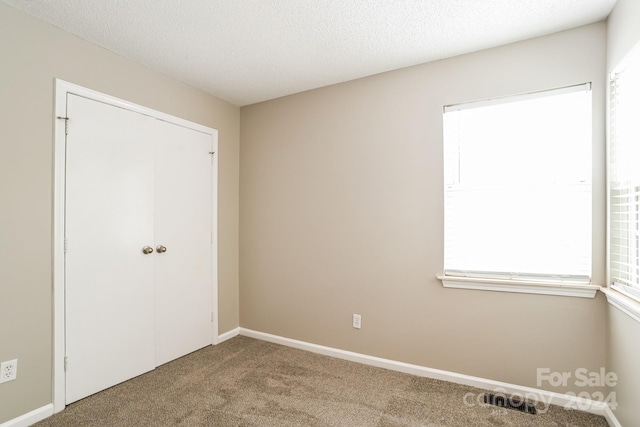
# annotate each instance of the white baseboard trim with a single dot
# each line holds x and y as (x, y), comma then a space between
(30, 417)
(611, 417)
(48, 410)
(228, 335)
(544, 396)
(547, 397)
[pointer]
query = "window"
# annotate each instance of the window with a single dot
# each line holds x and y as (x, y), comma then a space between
(624, 178)
(518, 187)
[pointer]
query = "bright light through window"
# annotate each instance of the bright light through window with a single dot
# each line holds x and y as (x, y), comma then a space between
(624, 175)
(518, 187)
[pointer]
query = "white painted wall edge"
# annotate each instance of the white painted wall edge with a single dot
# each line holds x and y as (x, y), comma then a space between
(30, 417)
(547, 397)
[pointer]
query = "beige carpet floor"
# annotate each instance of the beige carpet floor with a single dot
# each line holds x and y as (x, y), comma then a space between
(247, 382)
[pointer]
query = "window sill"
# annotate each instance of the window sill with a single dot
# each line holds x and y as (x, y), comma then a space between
(520, 286)
(626, 304)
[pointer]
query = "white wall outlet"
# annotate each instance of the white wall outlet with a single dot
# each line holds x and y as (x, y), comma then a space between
(357, 321)
(8, 370)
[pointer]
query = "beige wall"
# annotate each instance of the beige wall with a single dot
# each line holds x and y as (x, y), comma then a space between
(32, 54)
(623, 346)
(623, 31)
(622, 359)
(341, 196)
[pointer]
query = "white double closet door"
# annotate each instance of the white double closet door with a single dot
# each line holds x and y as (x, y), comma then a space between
(133, 181)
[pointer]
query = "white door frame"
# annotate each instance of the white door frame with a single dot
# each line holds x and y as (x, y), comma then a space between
(62, 88)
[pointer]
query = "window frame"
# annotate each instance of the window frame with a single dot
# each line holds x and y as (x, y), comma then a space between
(544, 285)
(623, 297)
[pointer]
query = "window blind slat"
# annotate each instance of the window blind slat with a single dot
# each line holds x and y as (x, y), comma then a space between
(624, 185)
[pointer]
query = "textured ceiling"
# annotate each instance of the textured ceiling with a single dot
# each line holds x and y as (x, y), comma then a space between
(247, 51)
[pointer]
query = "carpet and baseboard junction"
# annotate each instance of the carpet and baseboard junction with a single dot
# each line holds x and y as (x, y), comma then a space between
(246, 381)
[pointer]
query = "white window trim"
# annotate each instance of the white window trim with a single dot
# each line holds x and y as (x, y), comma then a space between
(547, 284)
(616, 296)
(627, 304)
(520, 286)
(519, 97)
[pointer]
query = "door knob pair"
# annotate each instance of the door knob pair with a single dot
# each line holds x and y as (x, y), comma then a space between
(148, 249)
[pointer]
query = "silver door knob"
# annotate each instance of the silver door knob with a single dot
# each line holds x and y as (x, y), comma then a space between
(161, 249)
(147, 250)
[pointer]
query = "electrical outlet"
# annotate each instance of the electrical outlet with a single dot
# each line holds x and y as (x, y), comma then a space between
(357, 321)
(8, 370)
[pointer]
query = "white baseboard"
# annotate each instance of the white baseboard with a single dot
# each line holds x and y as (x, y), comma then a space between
(611, 417)
(591, 406)
(48, 410)
(228, 335)
(30, 417)
(547, 397)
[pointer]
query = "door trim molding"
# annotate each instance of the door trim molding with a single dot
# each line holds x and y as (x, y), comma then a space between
(62, 88)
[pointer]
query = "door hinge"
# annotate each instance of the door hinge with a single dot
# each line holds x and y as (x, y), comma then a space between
(66, 245)
(212, 237)
(211, 153)
(66, 124)
(212, 316)
(66, 359)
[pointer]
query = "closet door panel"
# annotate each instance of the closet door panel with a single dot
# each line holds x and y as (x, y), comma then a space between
(183, 274)
(109, 303)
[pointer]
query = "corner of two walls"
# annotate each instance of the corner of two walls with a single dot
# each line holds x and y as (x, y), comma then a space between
(342, 212)
(623, 345)
(339, 209)
(35, 53)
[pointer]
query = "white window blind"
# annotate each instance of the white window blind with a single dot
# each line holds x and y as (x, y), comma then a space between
(624, 177)
(518, 187)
